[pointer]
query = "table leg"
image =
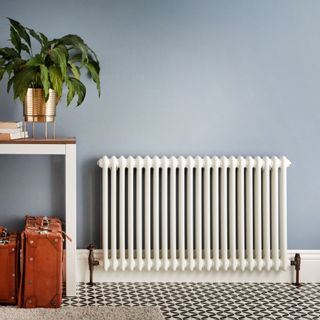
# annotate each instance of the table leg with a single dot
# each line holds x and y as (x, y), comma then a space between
(71, 212)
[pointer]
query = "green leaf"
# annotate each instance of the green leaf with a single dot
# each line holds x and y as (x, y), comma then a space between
(79, 89)
(94, 54)
(71, 92)
(95, 62)
(75, 70)
(44, 39)
(41, 38)
(35, 35)
(13, 65)
(21, 31)
(75, 42)
(25, 48)
(9, 85)
(56, 79)
(9, 53)
(22, 81)
(94, 70)
(17, 64)
(57, 55)
(37, 83)
(15, 39)
(76, 57)
(37, 60)
(44, 74)
(9, 69)
(2, 72)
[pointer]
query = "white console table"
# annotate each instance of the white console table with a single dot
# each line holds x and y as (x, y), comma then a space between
(66, 147)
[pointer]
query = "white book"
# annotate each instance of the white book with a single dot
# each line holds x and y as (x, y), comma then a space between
(19, 135)
(11, 130)
(13, 136)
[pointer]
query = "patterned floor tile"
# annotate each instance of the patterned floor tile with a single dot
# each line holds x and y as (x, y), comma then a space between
(207, 300)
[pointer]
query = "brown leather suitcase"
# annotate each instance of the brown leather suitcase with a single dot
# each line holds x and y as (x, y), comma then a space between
(41, 263)
(9, 260)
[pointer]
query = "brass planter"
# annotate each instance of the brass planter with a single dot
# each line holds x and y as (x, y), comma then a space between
(36, 109)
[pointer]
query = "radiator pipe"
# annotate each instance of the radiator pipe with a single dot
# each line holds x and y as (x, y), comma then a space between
(297, 265)
(91, 261)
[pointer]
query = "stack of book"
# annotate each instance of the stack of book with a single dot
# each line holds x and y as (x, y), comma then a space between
(12, 130)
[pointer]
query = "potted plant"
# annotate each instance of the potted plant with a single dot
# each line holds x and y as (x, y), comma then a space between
(38, 78)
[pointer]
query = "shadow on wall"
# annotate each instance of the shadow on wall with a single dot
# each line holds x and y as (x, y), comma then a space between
(30, 192)
(89, 176)
(57, 182)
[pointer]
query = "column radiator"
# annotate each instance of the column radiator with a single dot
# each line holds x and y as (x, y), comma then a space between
(197, 213)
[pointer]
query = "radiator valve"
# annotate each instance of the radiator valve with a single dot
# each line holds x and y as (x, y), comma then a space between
(297, 265)
(92, 262)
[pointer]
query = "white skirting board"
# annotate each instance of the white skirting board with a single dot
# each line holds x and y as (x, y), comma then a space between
(310, 272)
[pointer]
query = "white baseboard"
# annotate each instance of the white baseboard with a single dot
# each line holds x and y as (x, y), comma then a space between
(310, 272)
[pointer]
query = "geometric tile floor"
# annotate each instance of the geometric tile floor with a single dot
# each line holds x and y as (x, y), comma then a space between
(207, 300)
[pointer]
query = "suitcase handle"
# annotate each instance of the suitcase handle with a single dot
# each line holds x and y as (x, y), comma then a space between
(3, 232)
(3, 236)
(45, 223)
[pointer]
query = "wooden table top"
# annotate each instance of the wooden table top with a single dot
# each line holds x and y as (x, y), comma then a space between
(68, 140)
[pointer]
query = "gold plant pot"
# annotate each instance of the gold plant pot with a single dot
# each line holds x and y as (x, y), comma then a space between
(36, 109)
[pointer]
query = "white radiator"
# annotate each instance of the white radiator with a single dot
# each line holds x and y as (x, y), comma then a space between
(194, 213)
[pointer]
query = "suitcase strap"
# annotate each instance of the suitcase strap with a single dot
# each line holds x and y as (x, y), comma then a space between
(30, 298)
(46, 230)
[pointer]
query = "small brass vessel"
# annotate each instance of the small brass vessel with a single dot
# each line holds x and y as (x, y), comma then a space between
(36, 109)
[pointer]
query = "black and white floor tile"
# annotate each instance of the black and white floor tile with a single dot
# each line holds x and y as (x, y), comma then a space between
(207, 300)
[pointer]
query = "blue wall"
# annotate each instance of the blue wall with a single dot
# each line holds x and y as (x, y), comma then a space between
(179, 77)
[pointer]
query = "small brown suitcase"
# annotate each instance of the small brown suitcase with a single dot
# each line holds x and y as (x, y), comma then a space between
(9, 259)
(41, 263)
